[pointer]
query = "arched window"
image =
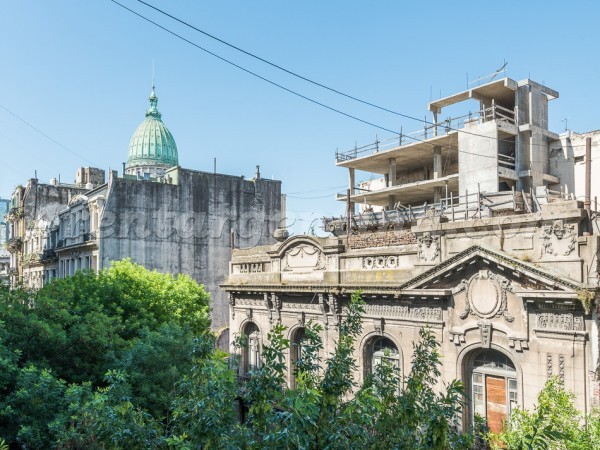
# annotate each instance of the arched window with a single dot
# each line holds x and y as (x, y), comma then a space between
(296, 353)
(493, 387)
(384, 349)
(251, 351)
(378, 350)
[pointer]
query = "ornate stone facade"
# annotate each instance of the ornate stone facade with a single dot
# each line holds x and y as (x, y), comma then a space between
(483, 303)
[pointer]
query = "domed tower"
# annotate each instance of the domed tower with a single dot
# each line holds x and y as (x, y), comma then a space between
(152, 149)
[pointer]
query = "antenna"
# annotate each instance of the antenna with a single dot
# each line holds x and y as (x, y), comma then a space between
(566, 121)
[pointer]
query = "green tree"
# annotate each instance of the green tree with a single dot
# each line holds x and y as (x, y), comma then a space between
(326, 409)
(106, 419)
(73, 331)
(554, 423)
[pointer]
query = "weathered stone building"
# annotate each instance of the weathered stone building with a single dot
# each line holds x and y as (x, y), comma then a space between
(4, 254)
(158, 214)
(32, 226)
(480, 235)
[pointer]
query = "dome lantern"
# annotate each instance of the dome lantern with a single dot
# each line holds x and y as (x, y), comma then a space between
(152, 149)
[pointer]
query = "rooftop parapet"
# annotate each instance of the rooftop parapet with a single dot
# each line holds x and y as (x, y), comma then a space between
(475, 206)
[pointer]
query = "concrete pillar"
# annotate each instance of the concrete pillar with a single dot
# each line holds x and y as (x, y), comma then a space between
(391, 201)
(351, 183)
(391, 172)
(437, 161)
(437, 172)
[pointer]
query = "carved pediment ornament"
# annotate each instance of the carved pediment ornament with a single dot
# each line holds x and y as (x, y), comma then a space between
(273, 304)
(324, 308)
(277, 303)
(429, 247)
(231, 300)
(564, 322)
(559, 238)
(303, 257)
(486, 296)
(380, 262)
(334, 307)
(485, 331)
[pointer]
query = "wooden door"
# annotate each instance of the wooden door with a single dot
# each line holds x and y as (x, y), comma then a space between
(495, 392)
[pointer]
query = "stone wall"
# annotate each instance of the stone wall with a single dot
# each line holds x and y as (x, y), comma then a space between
(381, 239)
(187, 227)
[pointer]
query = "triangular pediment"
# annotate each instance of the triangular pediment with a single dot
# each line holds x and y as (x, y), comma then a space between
(476, 258)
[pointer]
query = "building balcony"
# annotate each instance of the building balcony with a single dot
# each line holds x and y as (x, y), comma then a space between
(15, 214)
(48, 255)
(14, 245)
(89, 237)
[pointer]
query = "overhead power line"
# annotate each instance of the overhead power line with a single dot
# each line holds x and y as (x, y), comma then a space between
(302, 77)
(266, 79)
(293, 74)
(45, 135)
(277, 66)
(316, 102)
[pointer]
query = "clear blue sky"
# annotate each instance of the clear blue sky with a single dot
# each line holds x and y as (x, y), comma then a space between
(80, 71)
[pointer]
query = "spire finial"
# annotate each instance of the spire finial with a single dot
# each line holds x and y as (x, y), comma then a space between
(152, 74)
(153, 110)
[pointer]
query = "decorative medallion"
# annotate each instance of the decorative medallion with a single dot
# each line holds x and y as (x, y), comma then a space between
(486, 296)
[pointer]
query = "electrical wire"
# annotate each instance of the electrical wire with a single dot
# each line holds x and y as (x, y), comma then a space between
(302, 77)
(277, 84)
(45, 135)
(310, 198)
(316, 102)
(298, 76)
(290, 72)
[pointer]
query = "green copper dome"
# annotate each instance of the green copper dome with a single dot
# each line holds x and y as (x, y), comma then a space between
(152, 148)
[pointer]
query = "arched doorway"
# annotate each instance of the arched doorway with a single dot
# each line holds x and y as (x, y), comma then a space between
(494, 387)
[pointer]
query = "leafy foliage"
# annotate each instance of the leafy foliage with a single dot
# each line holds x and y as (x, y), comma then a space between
(57, 344)
(326, 409)
(123, 360)
(555, 423)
